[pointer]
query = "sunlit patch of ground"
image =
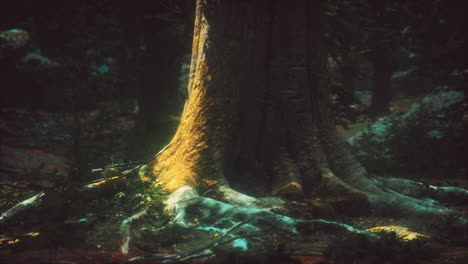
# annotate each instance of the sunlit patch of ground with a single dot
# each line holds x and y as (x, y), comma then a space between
(401, 232)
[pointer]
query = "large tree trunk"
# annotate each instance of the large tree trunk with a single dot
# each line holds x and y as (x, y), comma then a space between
(250, 116)
(257, 117)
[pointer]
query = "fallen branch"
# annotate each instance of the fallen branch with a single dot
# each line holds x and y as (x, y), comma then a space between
(335, 227)
(30, 202)
(199, 252)
(125, 228)
(127, 164)
(26, 204)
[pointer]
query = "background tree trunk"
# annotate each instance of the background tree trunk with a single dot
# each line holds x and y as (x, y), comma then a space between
(349, 73)
(383, 46)
(381, 90)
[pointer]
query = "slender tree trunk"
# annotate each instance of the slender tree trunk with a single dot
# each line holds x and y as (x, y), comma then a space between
(382, 91)
(382, 44)
(348, 72)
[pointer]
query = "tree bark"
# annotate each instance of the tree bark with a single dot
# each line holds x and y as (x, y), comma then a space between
(257, 117)
(252, 101)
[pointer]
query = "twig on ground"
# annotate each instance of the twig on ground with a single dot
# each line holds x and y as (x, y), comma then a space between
(28, 203)
(195, 253)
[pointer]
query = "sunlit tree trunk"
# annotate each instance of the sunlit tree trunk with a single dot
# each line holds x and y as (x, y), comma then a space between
(257, 117)
(252, 119)
(249, 96)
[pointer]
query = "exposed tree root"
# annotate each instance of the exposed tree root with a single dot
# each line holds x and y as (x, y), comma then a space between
(190, 210)
(248, 217)
(395, 197)
(251, 217)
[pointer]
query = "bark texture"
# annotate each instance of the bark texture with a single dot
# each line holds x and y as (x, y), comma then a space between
(257, 117)
(251, 113)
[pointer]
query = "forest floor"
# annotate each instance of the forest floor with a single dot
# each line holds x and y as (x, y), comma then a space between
(88, 257)
(24, 153)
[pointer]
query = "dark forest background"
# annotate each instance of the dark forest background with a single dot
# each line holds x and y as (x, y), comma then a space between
(133, 57)
(103, 83)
